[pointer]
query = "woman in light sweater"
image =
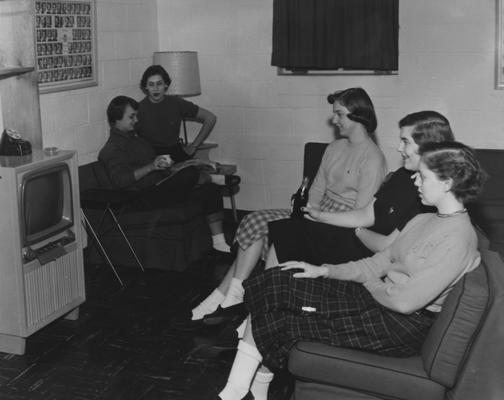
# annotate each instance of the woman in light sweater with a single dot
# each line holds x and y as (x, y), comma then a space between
(352, 169)
(383, 304)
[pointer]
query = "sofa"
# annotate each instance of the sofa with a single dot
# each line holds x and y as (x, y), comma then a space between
(169, 239)
(461, 359)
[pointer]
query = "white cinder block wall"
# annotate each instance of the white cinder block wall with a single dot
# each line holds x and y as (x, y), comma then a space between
(127, 37)
(446, 63)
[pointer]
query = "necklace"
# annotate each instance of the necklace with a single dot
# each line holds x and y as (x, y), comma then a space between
(463, 211)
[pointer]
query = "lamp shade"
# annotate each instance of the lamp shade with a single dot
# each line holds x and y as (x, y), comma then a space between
(183, 68)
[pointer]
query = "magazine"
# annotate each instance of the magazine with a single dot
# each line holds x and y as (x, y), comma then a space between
(203, 165)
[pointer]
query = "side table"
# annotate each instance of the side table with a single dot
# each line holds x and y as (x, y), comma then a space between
(229, 169)
(203, 153)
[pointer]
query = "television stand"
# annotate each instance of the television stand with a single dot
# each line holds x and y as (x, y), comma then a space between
(45, 280)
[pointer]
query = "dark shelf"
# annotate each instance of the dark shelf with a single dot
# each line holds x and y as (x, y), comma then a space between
(8, 72)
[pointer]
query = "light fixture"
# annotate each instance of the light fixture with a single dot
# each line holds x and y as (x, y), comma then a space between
(183, 68)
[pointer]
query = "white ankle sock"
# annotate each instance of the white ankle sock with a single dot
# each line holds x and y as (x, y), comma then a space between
(260, 385)
(219, 243)
(234, 294)
(209, 305)
(242, 372)
(241, 328)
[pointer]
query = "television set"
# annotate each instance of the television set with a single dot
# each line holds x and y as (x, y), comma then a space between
(46, 203)
(41, 244)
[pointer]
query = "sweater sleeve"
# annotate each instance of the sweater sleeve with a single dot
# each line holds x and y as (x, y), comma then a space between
(446, 261)
(366, 269)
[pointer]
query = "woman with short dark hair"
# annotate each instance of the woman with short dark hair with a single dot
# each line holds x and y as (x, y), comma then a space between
(160, 116)
(352, 169)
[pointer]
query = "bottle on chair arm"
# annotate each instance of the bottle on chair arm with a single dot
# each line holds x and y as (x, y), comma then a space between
(300, 199)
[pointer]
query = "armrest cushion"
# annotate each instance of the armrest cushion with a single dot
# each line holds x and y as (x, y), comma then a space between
(367, 372)
(451, 336)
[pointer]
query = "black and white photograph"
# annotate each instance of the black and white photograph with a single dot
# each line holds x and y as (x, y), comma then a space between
(252, 200)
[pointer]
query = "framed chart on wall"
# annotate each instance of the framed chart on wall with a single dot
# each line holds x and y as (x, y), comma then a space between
(65, 38)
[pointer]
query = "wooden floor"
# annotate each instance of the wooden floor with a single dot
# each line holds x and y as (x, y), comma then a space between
(124, 344)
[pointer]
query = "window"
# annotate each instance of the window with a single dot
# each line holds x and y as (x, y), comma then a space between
(328, 36)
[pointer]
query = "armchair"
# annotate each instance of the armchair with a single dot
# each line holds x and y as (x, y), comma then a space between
(169, 238)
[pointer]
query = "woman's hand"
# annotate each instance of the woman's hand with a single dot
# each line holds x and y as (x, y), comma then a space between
(311, 212)
(304, 270)
(162, 162)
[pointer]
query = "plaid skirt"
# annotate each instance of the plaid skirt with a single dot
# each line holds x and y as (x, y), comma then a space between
(285, 310)
(254, 226)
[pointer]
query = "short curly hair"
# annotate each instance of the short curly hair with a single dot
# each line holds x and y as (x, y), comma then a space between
(117, 106)
(151, 71)
(458, 162)
(428, 126)
(358, 102)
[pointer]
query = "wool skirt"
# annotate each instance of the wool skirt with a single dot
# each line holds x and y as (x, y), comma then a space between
(285, 310)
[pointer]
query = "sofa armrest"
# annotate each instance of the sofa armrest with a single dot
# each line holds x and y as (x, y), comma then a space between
(384, 376)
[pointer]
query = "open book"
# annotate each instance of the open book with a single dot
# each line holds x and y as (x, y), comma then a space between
(204, 165)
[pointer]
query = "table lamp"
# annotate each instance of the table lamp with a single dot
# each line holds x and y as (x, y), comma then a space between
(183, 68)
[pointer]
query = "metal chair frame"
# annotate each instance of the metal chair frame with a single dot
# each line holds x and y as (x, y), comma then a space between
(96, 232)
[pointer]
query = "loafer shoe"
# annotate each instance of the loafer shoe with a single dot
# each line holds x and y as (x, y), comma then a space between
(184, 323)
(223, 315)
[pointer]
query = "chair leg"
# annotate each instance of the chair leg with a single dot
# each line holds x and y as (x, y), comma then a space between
(125, 238)
(95, 237)
(233, 205)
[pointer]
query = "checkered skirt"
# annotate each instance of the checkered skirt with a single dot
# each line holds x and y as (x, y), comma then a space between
(340, 313)
(254, 226)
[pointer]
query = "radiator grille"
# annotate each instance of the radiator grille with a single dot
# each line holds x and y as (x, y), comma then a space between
(51, 287)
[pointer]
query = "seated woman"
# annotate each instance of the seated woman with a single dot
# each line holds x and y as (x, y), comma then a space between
(159, 118)
(351, 171)
(132, 164)
(347, 236)
(383, 304)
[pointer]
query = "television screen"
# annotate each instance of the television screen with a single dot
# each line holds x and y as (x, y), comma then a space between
(46, 203)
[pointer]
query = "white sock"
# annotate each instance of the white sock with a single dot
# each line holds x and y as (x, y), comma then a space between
(218, 179)
(244, 367)
(241, 329)
(234, 294)
(260, 385)
(209, 305)
(219, 243)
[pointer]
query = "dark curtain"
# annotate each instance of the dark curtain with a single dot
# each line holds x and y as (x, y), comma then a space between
(331, 34)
